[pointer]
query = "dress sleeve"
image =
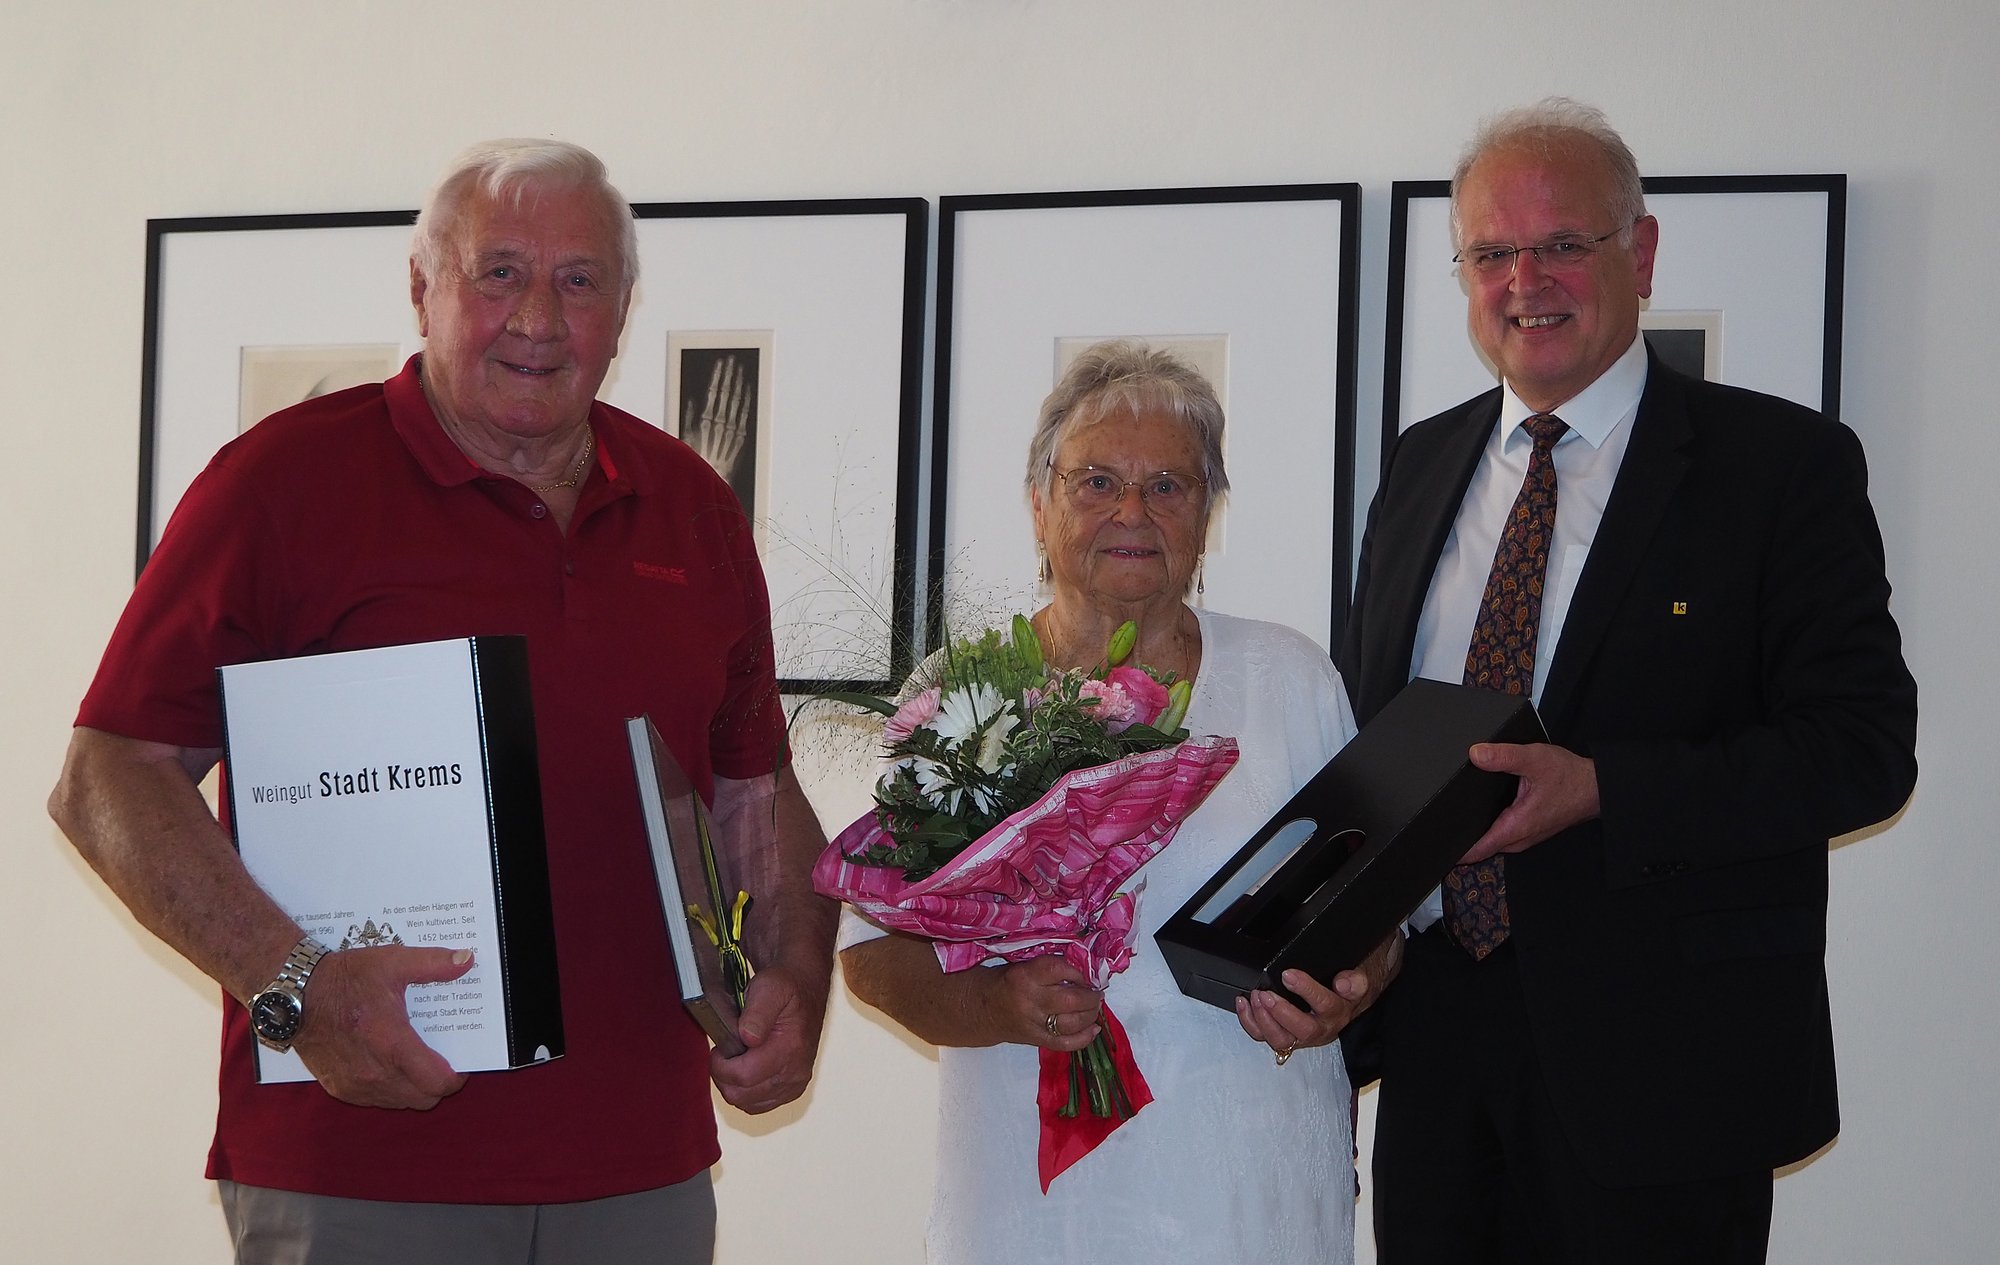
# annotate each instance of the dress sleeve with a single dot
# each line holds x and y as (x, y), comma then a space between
(1309, 686)
(856, 929)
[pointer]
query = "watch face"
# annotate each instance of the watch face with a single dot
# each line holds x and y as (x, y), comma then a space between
(275, 1015)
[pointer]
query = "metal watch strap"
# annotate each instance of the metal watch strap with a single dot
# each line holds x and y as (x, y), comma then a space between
(299, 964)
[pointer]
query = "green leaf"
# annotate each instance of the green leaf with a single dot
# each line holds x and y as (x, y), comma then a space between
(1027, 643)
(867, 702)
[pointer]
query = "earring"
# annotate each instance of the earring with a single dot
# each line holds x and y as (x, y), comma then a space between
(1045, 572)
(1200, 574)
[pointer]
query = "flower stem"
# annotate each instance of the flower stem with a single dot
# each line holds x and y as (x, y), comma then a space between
(1093, 1075)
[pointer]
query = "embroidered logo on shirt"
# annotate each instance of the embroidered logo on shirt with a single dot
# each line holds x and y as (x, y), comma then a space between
(1680, 608)
(654, 571)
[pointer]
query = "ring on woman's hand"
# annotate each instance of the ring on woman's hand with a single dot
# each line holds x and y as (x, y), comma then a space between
(1284, 1054)
(1049, 1022)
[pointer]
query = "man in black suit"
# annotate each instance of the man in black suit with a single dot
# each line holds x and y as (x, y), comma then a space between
(1606, 1042)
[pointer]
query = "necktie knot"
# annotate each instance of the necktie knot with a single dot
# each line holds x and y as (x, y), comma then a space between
(1545, 429)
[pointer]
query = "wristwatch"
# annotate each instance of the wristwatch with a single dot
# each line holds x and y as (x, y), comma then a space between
(277, 1012)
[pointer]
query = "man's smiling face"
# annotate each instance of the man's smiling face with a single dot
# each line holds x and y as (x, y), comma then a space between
(523, 320)
(1551, 333)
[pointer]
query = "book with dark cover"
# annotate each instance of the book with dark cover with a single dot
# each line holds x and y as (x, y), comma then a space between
(693, 890)
(392, 796)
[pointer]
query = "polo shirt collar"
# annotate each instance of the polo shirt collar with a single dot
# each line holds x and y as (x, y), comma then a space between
(421, 432)
(441, 459)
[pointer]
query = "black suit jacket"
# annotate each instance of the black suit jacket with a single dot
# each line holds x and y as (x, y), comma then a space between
(1729, 662)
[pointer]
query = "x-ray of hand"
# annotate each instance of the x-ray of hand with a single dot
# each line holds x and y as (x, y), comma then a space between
(721, 426)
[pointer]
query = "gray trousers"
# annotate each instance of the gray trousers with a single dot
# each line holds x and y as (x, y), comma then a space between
(674, 1225)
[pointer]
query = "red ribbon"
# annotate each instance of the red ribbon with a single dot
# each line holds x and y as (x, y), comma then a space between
(1067, 1139)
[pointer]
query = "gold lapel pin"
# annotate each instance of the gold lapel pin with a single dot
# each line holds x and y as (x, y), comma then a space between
(1680, 608)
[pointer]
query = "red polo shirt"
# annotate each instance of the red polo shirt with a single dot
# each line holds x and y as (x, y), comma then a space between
(352, 521)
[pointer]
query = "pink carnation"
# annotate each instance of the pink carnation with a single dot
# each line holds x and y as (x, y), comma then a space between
(910, 717)
(1114, 705)
(1149, 697)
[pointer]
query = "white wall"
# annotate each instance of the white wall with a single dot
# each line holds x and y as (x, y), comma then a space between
(119, 111)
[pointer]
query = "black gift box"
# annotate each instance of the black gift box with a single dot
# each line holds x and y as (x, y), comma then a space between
(1355, 851)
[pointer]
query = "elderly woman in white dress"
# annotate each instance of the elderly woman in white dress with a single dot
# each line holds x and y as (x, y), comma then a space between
(1245, 1153)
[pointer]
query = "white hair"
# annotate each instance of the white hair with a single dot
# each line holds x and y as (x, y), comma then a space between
(1117, 374)
(1556, 126)
(509, 171)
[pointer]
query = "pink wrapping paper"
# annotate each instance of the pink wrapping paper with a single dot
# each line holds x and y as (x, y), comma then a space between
(1046, 879)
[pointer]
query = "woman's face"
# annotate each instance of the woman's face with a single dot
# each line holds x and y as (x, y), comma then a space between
(1134, 549)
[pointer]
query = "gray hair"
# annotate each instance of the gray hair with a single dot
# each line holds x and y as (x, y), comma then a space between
(508, 171)
(1117, 374)
(1559, 126)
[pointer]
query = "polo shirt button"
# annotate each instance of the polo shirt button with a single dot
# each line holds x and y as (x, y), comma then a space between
(569, 568)
(540, 510)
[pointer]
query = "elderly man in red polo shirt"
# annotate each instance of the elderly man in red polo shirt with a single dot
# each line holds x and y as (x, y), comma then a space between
(482, 490)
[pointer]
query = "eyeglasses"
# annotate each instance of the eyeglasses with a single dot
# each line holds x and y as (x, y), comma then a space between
(1564, 254)
(1166, 492)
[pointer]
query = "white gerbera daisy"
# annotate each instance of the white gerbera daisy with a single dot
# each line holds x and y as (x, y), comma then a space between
(962, 711)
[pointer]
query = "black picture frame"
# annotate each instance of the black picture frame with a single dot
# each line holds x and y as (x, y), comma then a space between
(214, 281)
(1270, 270)
(838, 286)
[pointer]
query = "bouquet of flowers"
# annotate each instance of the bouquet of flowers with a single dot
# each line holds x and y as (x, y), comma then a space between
(1018, 801)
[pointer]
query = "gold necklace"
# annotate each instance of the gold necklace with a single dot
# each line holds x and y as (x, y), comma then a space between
(1044, 625)
(576, 472)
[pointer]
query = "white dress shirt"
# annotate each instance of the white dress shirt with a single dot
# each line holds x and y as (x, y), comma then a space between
(1586, 458)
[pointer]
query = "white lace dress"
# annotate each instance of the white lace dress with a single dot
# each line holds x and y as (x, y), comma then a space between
(1236, 1158)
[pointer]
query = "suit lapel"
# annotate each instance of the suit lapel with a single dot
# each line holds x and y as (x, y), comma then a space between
(1655, 462)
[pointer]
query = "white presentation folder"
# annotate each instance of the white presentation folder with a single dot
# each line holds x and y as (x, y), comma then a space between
(392, 796)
